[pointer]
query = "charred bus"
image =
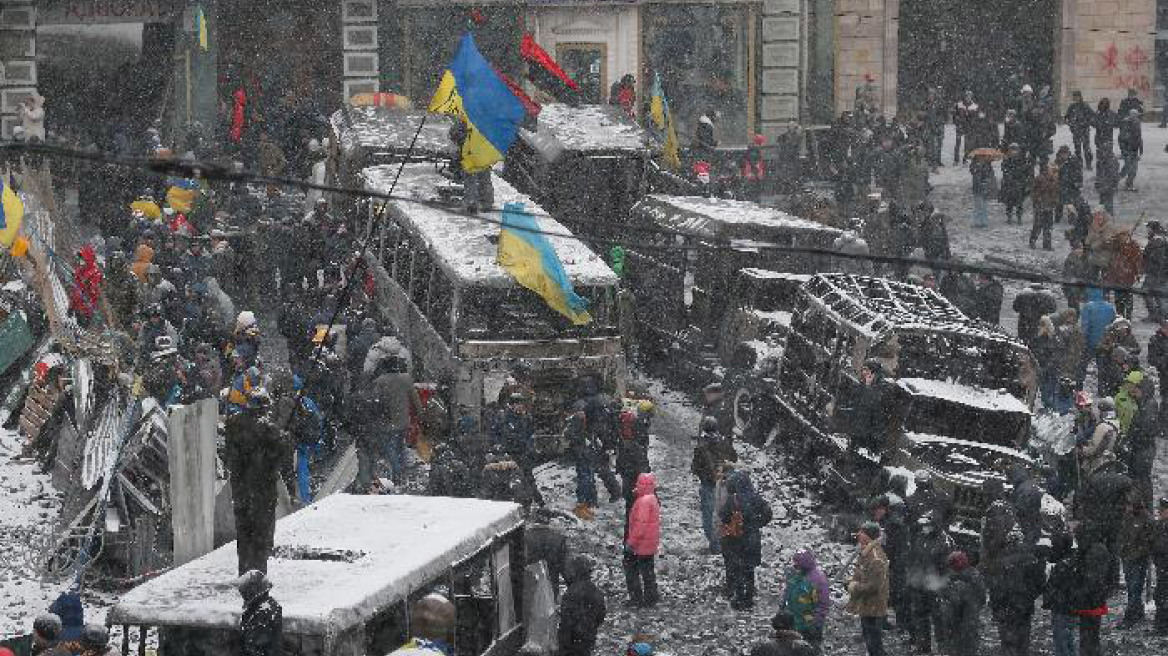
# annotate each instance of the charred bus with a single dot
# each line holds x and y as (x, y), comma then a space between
(467, 322)
(682, 304)
(347, 571)
(958, 392)
(585, 164)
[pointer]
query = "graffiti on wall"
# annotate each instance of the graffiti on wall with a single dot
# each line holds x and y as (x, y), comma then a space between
(1130, 69)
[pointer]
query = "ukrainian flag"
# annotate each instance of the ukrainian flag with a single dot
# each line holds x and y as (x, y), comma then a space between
(663, 119)
(11, 216)
(181, 194)
(472, 92)
(201, 28)
(530, 258)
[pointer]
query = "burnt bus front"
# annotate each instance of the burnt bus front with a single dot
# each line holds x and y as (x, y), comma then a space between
(509, 339)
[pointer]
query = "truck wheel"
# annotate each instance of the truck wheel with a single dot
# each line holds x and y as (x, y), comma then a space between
(746, 411)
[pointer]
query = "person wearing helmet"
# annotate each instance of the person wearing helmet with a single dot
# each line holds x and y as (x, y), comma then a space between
(711, 452)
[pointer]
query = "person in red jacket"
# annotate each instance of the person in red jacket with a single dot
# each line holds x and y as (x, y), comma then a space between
(86, 285)
(644, 538)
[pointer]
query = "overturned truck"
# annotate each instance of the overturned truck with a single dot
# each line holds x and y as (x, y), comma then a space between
(956, 397)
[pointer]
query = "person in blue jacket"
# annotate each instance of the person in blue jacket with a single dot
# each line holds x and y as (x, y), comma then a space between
(1095, 316)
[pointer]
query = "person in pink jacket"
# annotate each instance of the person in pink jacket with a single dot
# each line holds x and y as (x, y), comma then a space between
(644, 538)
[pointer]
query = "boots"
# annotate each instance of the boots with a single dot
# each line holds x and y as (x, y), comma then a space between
(584, 512)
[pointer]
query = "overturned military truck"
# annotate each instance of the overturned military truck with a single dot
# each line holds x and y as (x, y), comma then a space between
(957, 392)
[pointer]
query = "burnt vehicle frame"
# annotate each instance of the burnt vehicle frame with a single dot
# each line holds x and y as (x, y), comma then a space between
(694, 249)
(958, 392)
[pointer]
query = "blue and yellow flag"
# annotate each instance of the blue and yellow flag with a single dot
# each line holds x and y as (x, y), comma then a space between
(11, 216)
(201, 28)
(530, 258)
(181, 194)
(663, 119)
(472, 92)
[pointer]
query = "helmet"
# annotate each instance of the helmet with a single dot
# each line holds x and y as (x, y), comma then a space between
(1082, 399)
(645, 407)
(709, 424)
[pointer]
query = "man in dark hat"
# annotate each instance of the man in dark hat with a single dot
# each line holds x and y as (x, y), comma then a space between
(46, 636)
(261, 626)
(95, 641)
(1156, 270)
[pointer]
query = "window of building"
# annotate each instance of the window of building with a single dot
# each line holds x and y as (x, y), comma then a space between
(702, 55)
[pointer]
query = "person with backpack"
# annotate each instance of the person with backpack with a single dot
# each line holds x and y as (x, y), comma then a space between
(959, 607)
(642, 542)
(711, 451)
(741, 519)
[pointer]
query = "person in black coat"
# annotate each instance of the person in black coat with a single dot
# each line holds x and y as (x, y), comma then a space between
(933, 233)
(1032, 304)
(1062, 593)
(541, 542)
(1079, 118)
(1097, 573)
(1015, 581)
(960, 604)
(1017, 181)
(1131, 147)
(582, 609)
(1026, 496)
(988, 299)
(927, 569)
(261, 626)
(1070, 170)
(741, 518)
(1105, 123)
(358, 348)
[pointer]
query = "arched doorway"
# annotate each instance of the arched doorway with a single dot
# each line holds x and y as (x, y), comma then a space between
(990, 47)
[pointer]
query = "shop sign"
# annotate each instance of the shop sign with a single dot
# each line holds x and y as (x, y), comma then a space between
(92, 12)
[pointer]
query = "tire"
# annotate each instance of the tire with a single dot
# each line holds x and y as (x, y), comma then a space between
(749, 412)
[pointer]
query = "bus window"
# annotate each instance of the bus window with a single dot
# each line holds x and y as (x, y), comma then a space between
(518, 313)
(419, 277)
(441, 299)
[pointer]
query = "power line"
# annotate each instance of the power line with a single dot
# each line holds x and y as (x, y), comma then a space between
(223, 173)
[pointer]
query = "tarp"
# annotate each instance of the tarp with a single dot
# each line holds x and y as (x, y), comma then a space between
(15, 340)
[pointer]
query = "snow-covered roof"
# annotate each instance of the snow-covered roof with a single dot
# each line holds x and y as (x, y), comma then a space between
(391, 130)
(724, 219)
(466, 247)
(767, 274)
(968, 395)
(879, 305)
(592, 128)
(395, 543)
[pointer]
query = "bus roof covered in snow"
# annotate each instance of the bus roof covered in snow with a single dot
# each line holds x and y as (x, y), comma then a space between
(335, 565)
(730, 220)
(590, 129)
(466, 246)
(382, 130)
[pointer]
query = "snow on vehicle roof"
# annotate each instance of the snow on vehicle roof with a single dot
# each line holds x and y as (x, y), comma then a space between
(592, 128)
(396, 544)
(767, 274)
(726, 219)
(466, 247)
(879, 305)
(967, 395)
(391, 130)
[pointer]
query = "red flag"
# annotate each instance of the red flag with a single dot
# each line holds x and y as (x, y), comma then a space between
(533, 108)
(545, 73)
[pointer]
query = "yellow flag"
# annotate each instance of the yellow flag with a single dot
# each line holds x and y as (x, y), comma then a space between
(11, 216)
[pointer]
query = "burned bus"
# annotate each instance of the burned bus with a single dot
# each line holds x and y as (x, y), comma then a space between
(585, 164)
(694, 248)
(466, 320)
(346, 571)
(958, 392)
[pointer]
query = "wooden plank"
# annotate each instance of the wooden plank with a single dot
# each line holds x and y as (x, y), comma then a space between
(191, 448)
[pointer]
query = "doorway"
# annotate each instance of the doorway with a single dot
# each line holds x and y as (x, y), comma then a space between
(587, 64)
(991, 48)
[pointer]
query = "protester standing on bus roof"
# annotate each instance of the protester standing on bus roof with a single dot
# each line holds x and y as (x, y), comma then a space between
(478, 190)
(254, 454)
